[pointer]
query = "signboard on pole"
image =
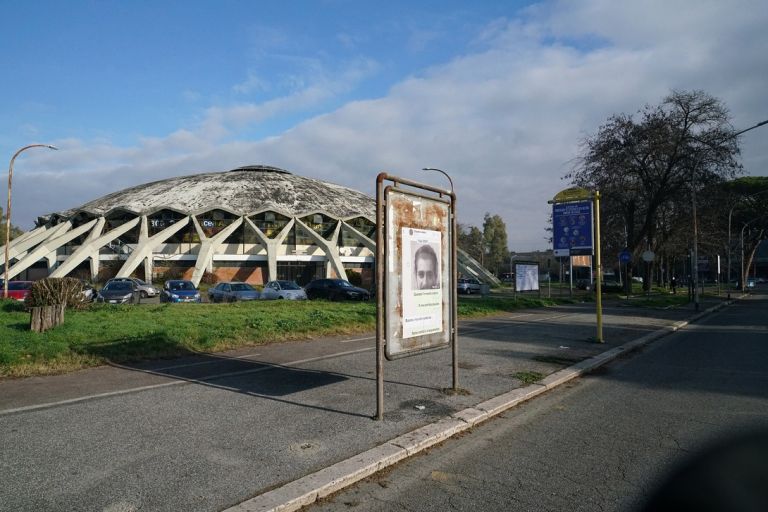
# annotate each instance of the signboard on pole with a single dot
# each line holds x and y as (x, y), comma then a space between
(625, 256)
(526, 277)
(418, 272)
(572, 228)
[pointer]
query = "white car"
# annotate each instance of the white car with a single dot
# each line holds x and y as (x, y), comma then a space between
(287, 290)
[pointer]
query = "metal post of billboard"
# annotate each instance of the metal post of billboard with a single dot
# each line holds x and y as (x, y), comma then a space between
(379, 299)
(416, 271)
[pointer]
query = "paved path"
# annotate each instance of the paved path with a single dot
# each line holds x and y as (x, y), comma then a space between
(207, 432)
(601, 442)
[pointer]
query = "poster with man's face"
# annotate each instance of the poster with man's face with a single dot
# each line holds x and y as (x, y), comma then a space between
(417, 273)
(422, 293)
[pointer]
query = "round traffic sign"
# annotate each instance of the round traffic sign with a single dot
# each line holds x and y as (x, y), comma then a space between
(648, 256)
(625, 256)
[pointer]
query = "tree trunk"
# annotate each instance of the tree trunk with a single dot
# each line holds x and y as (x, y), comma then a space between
(46, 317)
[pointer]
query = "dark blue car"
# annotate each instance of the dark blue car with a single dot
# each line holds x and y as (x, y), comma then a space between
(177, 290)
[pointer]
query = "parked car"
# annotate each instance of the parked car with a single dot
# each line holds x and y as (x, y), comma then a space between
(146, 289)
(18, 290)
(117, 292)
(288, 290)
(611, 285)
(89, 293)
(232, 291)
(468, 286)
(335, 289)
(178, 290)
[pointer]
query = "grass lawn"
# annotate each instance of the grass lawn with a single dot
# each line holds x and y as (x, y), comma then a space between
(128, 333)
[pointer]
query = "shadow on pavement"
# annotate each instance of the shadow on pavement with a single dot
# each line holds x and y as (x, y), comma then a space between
(254, 378)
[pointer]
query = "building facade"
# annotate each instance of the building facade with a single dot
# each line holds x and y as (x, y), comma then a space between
(251, 224)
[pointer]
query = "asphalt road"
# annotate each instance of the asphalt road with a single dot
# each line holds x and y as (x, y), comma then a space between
(208, 431)
(602, 442)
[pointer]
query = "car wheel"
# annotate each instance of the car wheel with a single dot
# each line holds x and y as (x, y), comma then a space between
(144, 294)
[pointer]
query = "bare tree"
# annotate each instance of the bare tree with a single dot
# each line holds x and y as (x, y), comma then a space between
(648, 169)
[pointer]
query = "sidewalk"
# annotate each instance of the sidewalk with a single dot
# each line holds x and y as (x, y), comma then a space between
(210, 432)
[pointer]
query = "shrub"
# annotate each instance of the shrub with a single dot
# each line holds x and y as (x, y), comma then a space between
(52, 291)
(354, 278)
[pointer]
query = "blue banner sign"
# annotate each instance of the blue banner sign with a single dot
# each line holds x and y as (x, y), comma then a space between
(572, 228)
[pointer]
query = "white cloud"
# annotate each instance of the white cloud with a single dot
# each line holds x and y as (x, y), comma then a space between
(505, 120)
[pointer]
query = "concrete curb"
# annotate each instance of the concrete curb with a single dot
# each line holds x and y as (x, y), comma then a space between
(310, 488)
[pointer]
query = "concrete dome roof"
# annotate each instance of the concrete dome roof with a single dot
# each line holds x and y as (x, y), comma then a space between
(242, 191)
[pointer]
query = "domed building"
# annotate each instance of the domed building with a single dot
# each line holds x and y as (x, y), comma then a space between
(253, 224)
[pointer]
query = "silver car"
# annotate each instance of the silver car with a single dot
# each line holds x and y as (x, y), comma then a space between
(232, 292)
(468, 286)
(145, 289)
(288, 290)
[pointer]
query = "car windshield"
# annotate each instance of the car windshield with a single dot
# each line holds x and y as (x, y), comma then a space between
(344, 284)
(289, 285)
(117, 285)
(241, 287)
(141, 283)
(182, 285)
(19, 285)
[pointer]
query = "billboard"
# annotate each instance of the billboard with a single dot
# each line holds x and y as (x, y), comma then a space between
(418, 273)
(572, 228)
(526, 277)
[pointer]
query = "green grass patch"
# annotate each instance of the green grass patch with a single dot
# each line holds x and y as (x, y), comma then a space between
(121, 333)
(527, 378)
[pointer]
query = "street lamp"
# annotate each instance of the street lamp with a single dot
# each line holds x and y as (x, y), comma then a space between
(8, 211)
(440, 171)
(453, 281)
(695, 254)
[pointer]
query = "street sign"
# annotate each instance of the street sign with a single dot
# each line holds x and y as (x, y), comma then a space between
(572, 228)
(648, 256)
(625, 256)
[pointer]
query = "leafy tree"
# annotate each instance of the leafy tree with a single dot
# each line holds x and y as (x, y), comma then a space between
(470, 240)
(495, 240)
(648, 166)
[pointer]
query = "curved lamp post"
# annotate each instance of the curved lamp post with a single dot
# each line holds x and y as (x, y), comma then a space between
(730, 213)
(7, 264)
(454, 277)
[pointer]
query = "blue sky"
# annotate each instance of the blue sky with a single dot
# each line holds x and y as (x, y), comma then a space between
(497, 93)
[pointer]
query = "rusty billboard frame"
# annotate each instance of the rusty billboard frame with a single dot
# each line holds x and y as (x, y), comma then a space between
(423, 192)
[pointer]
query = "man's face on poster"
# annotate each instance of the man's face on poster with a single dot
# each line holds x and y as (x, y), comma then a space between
(426, 269)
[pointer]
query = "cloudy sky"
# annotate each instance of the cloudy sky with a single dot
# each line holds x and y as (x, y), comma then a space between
(498, 94)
